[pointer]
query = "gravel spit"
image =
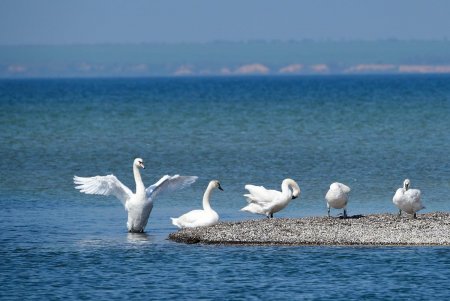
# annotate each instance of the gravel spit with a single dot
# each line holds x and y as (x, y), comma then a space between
(370, 230)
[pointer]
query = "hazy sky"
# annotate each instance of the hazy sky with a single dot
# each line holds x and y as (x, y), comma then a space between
(136, 21)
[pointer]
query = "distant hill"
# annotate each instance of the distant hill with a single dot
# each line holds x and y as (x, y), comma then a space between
(226, 58)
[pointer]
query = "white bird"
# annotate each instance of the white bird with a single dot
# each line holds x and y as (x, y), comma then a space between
(407, 199)
(200, 218)
(140, 204)
(337, 197)
(267, 202)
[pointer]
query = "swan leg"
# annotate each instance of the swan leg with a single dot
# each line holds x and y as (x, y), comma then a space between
(328, 207)
(345, 213)
(399, 212)
(415, 215)
(271, 215)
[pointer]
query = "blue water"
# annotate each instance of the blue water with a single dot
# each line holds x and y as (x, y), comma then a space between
(369, 132)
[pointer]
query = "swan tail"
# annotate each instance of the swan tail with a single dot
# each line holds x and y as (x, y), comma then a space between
(246, 208)
(253, 208)
(175, 222)
(345, 188)
(250, 198)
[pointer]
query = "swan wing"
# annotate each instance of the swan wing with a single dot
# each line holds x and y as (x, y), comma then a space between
(196, 218)
(408, 201)
(398, 196)
(261, 195)
(191, 216)
(169, 183)
(412, 197)
(103, 185)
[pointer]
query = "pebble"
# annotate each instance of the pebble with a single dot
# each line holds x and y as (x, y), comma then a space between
(369, 230)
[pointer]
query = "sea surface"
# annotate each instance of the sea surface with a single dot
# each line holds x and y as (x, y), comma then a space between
(369, 132)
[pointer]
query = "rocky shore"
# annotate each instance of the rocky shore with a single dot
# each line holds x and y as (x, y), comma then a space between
(368, 230)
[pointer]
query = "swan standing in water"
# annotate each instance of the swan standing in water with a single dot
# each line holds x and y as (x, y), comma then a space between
(268, 202)
(200, 218)
(407, 199)
(337, 197)
(139, 205)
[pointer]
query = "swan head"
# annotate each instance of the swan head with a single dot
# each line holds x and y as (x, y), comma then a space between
(295, 191)
(406, 184)
(216, 184)
(138, 162)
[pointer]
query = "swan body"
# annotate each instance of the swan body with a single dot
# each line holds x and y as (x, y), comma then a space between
(266, 201)
(407, 199)
(139, 205)
(337, 197)
(200, 218)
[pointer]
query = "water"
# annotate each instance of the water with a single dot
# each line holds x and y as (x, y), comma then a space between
(368, 132)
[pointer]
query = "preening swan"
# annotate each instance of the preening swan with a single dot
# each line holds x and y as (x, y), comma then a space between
(200, 218)
(139, 205)
(407, 199)
(268, 202)
(337, 197)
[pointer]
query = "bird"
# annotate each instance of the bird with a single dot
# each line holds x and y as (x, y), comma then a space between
(139, 205)
(337, 197)
(200, 218)
(266, 201)
(407, 199)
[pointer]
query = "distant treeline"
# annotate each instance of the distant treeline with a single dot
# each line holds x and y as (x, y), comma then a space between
(226, 58)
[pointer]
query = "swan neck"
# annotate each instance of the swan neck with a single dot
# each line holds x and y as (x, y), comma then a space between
(290, 188)
(206, 197)
(140, 188)
(285, 187)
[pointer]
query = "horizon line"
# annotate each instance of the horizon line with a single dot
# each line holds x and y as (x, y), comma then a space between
(268, 41)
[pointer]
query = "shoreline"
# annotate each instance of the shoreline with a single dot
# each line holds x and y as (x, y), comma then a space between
(429, 229)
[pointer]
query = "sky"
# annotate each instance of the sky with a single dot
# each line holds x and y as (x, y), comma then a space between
(137, 21)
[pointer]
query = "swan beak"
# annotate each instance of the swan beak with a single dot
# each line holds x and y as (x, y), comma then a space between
(220, 187)
(294, 197)
(142, 165)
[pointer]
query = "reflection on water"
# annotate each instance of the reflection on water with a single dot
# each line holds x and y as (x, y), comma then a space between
(118, 240)
(140, 238)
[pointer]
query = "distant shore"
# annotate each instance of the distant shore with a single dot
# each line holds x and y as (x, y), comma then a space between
(222, 58)
(430, 229)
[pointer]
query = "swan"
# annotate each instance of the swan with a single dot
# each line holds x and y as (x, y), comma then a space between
(268, 202)
(407, 199)
(337, 197)
(200, 218)
(139, 205)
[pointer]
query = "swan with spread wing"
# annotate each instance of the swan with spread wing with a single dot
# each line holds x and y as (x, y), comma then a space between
(139, 205)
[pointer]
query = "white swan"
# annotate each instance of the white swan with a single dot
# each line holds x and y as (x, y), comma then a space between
(337, 197)
(268, 202)
(139, 205)
(407, 199)
(200, 218)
